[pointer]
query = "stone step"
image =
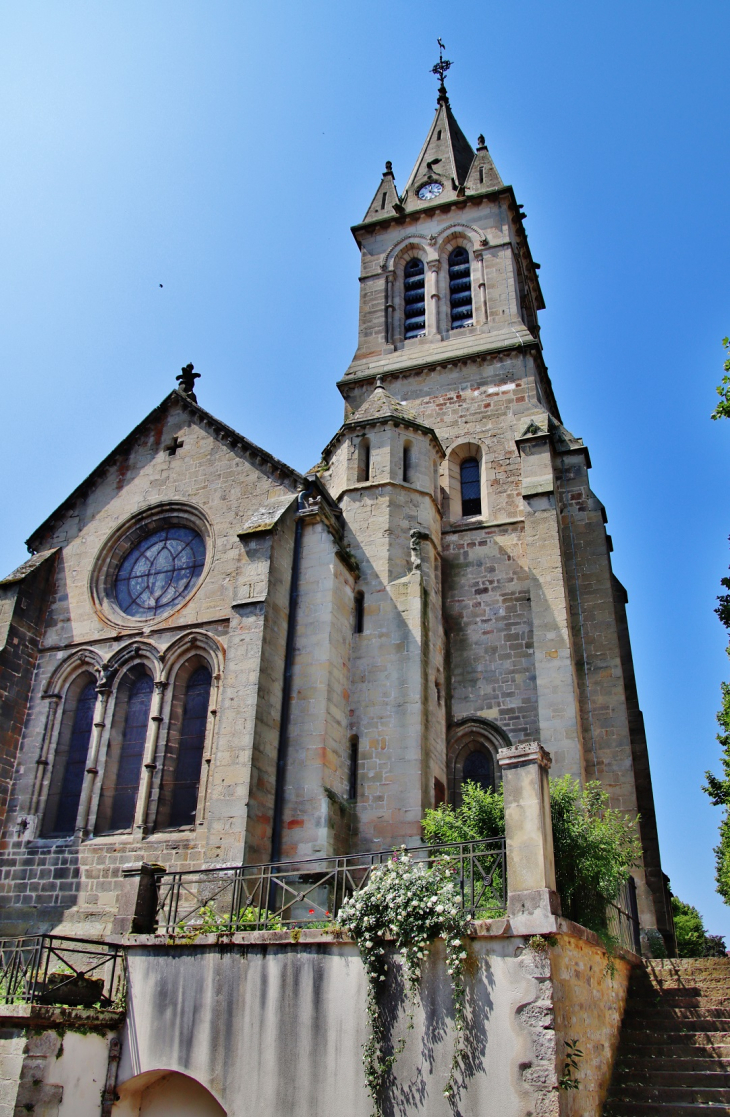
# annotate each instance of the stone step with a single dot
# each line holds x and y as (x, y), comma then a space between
(625, 1108)
(703, 1061)
(643, 1076)
(661, 1012)
(674, 1095)
(705, 1037)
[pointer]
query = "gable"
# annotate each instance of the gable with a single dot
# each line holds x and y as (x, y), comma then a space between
(155, 436)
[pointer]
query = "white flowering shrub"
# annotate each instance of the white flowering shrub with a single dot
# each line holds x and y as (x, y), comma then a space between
(409, 904)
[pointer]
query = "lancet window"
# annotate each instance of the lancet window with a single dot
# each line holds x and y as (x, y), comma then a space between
(182, 789)
(462, 312)
(414, 298)
(69, 766)
(471, 497)
(126, 749)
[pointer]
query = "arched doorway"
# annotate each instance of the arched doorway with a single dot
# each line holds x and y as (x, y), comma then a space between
(164, 1093)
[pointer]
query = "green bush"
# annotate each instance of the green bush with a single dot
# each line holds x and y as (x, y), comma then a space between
(595, 846)
(692, 938)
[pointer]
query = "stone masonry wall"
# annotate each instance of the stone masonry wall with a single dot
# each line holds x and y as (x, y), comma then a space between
(23, 604)
(228, 486)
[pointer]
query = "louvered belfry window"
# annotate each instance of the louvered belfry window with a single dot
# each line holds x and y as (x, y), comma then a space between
(414, 293)
(462, 313)
(471, 497)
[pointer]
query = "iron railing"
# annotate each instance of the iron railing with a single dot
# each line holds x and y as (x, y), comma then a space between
(311, 892)
(57, 970)
(623, 918)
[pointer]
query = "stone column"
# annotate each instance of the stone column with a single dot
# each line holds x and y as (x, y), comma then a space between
(532, 900)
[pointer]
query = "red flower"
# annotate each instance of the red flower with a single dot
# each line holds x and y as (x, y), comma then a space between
(311, 911)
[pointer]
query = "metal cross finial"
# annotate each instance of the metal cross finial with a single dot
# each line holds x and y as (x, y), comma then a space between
(441, 67)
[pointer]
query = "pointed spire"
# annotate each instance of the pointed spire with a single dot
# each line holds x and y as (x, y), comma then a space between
(386, 201)
(446, 157)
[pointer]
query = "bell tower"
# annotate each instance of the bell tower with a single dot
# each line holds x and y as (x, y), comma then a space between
(535, 641)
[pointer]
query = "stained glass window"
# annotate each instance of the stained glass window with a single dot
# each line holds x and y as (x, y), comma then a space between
(69, 797)
(131, 753)
(460, 289)
(471, 498)
(190, 749)
(160, 571)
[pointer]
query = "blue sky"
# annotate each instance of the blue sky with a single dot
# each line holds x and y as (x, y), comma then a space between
(223, 149)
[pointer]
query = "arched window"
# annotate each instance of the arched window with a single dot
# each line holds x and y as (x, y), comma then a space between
(190, 749)
(414, 298)
(126, 749)
(408, 463)
(70, 761)
(471, 497)
(363, 459)
(478, 768)
(460, 289)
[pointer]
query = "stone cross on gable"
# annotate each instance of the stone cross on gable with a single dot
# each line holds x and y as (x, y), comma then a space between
(186, 380)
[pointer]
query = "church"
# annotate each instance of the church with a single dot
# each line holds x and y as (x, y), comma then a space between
(212, 659)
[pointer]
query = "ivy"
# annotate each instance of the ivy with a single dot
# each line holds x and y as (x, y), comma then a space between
(409, 904)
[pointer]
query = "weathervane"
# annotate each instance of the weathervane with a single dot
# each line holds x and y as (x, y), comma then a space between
(441, 67)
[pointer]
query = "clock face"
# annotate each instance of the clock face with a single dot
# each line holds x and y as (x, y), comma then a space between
(430, 190)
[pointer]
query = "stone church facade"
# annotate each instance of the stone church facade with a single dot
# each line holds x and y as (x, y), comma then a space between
(211, 658)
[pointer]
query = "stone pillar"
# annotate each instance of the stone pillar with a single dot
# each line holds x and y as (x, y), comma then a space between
(137, 900)
(532, 900)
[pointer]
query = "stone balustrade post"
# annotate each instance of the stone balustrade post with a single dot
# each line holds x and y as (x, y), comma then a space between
(531, 899)
(138, 900)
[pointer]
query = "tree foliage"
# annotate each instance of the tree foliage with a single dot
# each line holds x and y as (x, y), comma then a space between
(722, 411)
(595, 846)
(718, 787)
(692, 938)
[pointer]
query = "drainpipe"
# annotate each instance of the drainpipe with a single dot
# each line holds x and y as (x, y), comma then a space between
(283, 746)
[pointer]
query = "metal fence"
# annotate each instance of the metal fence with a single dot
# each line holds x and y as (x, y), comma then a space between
(623, 918)
(56, 970)
(311, 892)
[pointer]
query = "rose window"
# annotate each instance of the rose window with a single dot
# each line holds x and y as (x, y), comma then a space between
(159, 572)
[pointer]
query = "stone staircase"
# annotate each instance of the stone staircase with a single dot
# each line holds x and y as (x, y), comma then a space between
(674, 1052)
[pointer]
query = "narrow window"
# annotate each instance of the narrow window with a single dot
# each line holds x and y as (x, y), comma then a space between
(408, 463)
(478, 768)
(438, 135)
(460, 289)
(382, 201)
(359, 612)
(363, 460)
(190, 749)
(70, 763)
(126, 749)
(481, 174)
(354, 757)
(414, 298)
(471, 498)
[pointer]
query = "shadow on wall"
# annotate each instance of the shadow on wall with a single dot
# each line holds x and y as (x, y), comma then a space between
(164, 1093)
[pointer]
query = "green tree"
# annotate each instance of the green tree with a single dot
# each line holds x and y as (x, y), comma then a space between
(718, 787)
(722, 411)
(692, 938)
(595, 846)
